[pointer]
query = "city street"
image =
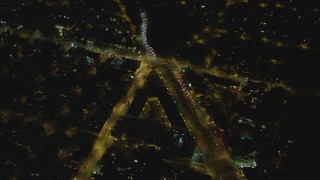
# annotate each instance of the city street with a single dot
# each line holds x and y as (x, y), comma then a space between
(105, 139)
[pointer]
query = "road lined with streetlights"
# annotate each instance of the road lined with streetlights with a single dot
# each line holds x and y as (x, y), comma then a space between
(105, 139)
(205, 135)
(144, 27)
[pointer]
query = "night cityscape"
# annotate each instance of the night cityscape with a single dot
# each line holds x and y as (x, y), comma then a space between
(159, 90)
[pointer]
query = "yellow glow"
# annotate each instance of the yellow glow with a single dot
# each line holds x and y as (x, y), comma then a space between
(265, 39)
(275, 61)
(49, 128)
(279, 44)
(279, 5)
(303, 46)
(70, 132)
(263, 5)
